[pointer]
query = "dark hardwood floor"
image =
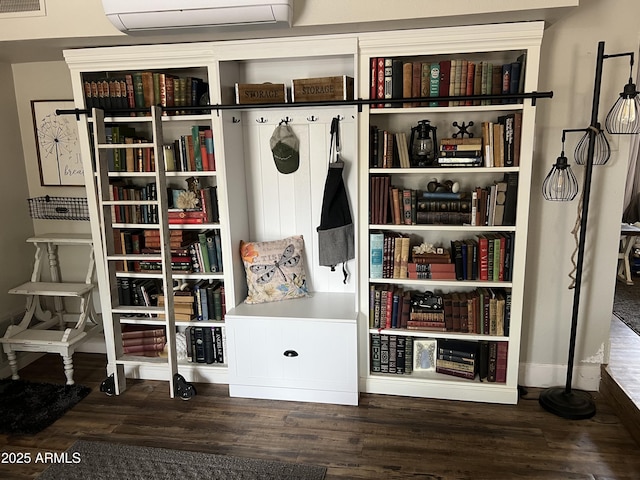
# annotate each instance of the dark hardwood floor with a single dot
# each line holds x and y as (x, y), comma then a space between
(386, 437)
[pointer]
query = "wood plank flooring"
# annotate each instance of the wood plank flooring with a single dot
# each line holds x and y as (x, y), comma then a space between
(624, 359)
(620, 382)
(386, 437)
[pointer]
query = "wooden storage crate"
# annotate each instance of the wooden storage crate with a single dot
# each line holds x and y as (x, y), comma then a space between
(257, 93)
(322, 89)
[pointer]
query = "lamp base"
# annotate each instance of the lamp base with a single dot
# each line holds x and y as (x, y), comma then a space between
(574, 405)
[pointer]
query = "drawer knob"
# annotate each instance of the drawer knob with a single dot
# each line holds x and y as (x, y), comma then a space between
(290, 353)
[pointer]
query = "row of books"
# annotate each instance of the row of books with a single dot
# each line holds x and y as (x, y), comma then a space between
(498, 146)
(205, 344)
(493, 205)
(204, 301)
(488, 257)
(200, 256)
(501, 141)
(210, 303)
(128, 159)
(138, 213)
(191, 153)
(142, 89)
(398, 78)
(205, 200)
(191, 251)
(483, 311)
(146, 341)
(484, 360)
(138, 292)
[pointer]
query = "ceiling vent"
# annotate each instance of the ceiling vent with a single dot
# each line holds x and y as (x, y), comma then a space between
(131, 16)
(21, 8)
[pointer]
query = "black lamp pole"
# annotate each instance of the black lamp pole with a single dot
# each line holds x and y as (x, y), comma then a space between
(567, 402)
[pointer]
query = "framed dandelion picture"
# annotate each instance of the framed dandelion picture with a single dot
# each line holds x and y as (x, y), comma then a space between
(57, 143)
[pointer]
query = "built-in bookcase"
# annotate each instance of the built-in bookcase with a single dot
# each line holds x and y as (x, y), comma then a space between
(159, 207)
(399, 355)
(255, 203)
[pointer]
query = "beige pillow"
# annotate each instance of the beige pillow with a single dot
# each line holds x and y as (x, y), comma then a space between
(274, 270)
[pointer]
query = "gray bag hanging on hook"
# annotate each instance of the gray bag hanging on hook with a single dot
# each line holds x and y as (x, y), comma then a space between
(336, 231)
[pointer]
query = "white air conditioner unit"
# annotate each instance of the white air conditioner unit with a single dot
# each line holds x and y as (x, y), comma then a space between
(147, 15)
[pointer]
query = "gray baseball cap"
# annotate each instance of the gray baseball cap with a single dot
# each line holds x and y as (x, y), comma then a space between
(285, 146)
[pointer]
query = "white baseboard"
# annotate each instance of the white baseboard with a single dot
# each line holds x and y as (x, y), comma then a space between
(585, 377)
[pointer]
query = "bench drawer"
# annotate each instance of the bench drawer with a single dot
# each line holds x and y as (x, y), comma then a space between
(293, 359)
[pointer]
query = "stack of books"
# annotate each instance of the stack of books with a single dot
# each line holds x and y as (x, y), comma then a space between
(143, 341)
(183, 306)
(457, 358)
(432, 266)
(461, 152)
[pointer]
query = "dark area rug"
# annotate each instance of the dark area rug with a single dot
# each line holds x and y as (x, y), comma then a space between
(101, 460)
(27, 408)
(626, 303)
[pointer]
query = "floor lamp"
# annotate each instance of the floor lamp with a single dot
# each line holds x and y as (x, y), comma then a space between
(561, 185)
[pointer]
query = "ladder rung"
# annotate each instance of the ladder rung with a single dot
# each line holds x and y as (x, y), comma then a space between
(139, 225)
(132, 256)
(130, 202)
(135, 310)
(114, 146)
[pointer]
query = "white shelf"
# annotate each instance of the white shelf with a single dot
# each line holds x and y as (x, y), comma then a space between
(434, 110)
(445, 228)
(429, 334)
(439, 171)
(429, 284)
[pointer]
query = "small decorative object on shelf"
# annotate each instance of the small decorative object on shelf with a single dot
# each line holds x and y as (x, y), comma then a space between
(424, 355)
(422, 144)
(463, 130)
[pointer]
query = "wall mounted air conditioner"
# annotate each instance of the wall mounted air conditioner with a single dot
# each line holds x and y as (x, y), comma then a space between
(147, 15)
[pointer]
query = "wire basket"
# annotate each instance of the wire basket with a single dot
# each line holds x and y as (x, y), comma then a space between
(59, 208)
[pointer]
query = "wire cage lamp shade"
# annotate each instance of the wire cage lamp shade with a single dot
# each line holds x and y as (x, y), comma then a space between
(560, 184)
(601, 148)
(624, 116)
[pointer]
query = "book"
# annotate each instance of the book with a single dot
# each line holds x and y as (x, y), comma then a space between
(434, 78)
(373, 79)
(376, 244)
(510, 200)
(139, 341)
(492, 361)
(139, 331)
(151, 347)
(445, 79)
(209, 150)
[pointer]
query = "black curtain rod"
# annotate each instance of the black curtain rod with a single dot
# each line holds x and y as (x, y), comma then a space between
(359, 102)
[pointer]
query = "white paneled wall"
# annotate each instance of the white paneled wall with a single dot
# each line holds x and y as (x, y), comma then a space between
(284, 205)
